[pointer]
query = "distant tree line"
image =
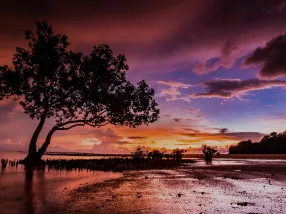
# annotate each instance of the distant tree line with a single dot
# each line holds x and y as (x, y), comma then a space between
(139, 154)
(274, 143)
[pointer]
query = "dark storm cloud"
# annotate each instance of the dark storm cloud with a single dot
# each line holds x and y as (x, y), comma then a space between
(64, 9)
(149, 29)
(18, 14)
(228, 88)
(85, 22)
(272, 57)
(226, 23)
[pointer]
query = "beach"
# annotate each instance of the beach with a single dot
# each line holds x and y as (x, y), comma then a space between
(212, 189)
(229, 185)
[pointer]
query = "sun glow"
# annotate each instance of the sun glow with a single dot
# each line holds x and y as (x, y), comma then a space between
(90, 142)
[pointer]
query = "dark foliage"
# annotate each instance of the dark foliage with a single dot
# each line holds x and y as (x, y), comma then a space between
(177, 154)
(5, 162)
(168, 156)
(73, 88)
(274, 143)
(139, 154)
(105, 164)
(114, 164)
(155, 155)
(208, 152)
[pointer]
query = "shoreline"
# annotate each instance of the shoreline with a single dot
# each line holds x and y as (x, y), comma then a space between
(13, 155)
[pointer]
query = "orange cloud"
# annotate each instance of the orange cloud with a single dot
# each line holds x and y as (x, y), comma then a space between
(173, 92)
(175, 84)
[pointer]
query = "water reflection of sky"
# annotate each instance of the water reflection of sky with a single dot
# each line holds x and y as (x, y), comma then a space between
(22, 155)
(33, 192)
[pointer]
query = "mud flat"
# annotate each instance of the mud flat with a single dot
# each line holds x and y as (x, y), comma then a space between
(227, 186)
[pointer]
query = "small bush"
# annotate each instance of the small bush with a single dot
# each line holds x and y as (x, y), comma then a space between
(177, 154)
(139, 154)
(168, 156)
(156, 155)
(208, 152)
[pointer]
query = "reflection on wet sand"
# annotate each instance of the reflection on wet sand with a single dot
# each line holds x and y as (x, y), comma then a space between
(29, 199)
(25, 191)
(35, 190)
(225, 186)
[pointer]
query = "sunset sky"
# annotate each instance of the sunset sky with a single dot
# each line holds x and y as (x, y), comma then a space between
(218, 68)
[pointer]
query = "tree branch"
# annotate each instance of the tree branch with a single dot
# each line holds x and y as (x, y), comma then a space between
(79, 123)
(69, 122)
(82, 124)
(86, 115)
(101, 113)
(104, 124)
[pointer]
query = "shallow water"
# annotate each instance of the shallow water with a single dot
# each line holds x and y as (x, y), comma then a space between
(22, 155)
(33, 192)
(224, 186)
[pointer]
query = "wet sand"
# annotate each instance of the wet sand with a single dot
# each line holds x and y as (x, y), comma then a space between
(233, 186)
(186, 190)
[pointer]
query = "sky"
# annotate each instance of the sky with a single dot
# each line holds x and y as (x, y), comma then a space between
(218, 68)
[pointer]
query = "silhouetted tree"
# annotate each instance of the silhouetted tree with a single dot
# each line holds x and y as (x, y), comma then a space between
(40, 70)
(139, 154)
(274, 143)
(242, 147)
(168, 156)
(177, 154)
(208, 152)
(73, 88)
(2, 84)
(156, 154)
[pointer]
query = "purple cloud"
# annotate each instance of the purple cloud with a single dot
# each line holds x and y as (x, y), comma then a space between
(272, 57)
(227, 89)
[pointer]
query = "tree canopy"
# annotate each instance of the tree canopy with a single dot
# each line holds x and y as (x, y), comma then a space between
(74, 89)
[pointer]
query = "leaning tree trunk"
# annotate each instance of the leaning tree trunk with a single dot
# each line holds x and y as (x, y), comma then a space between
(33, 143)
(45, 145)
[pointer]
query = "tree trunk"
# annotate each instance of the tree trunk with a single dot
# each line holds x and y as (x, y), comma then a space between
(34, 157)
(47, 142)
(33, 143)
